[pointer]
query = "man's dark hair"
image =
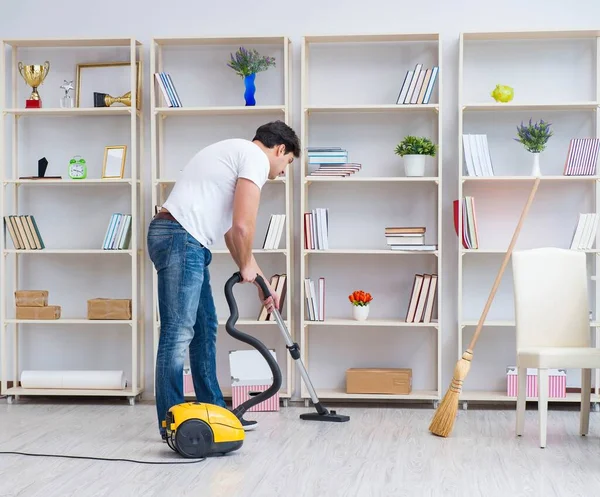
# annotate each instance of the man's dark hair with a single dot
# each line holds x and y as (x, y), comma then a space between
(278, 133)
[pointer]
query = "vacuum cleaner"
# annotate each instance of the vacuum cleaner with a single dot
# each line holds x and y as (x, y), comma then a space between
(198, 430)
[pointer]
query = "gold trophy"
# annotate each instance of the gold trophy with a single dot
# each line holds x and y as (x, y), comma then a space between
(105, 100)
(34, 75)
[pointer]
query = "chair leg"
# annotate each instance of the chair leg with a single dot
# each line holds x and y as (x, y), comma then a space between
(586, 388)
(521, 399)
(543, 404)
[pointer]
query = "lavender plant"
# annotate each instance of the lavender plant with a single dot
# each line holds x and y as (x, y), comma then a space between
(247, 62)
(534, 136)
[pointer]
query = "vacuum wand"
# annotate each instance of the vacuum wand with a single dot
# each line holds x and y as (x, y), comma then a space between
(322, 414)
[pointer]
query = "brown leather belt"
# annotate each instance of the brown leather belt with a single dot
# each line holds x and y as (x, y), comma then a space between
(165, 215)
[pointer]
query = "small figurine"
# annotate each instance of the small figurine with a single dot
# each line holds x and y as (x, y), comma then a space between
(66, 102)
(503, 93)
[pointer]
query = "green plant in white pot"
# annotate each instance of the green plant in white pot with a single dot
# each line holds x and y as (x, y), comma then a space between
(414, 150)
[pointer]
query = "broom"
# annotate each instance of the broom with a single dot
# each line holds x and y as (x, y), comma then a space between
(443, 420)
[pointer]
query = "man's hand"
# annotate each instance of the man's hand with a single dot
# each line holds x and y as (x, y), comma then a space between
(249, 273)
(272, 302)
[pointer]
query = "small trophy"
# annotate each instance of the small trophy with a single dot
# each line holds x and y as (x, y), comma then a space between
(105, 100)
(34, 76)
(66, 102)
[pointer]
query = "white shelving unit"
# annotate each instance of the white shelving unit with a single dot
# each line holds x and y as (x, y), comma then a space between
(213, 109)
(556, 77)
(75, 225)
(350, 84)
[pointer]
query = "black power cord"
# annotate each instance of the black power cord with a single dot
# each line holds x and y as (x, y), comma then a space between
(102, 458)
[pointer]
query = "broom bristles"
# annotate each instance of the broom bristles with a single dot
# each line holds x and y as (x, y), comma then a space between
(443, 420)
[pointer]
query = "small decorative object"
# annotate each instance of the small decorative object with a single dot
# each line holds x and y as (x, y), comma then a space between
(105, 100)
(77, 168)
(534, 137)
(113, 78)
(360, 302)
(34, 75)
(114, 162)
(246, 63)
(42, 167)
(66, 102)
(415, 150)
(503, 93)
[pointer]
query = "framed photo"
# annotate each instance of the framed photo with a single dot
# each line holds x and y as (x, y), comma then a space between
(113, 166)
(109, 78)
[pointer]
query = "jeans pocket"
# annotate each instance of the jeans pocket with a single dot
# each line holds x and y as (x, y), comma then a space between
(159, 249)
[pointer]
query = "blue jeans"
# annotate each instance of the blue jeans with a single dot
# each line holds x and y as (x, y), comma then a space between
(187, 315)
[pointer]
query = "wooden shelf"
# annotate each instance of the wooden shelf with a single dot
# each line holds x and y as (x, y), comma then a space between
(70, 182)
(371, 108)
(503, 251)
(429, 395)
(70, 42)
(372, 38)
(491, 396)
(127, 392)
(371, 179)
(389, 323)
(485, 179)
(371, 252)
(219, 111)
(219, 40)
(529, 35)
(77, 111)
(516, 106)
(65, 321)
(70, 252)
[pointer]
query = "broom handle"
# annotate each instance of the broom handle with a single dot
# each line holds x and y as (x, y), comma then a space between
(504, 264)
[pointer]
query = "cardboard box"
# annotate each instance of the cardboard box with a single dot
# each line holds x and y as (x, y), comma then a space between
(101, 308)
(557, 383)
(251, 374)
(46, 312)
(393, 381)
(31, 298)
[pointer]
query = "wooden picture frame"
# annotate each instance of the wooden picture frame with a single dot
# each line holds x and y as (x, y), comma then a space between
(112, 78)
(113, 166)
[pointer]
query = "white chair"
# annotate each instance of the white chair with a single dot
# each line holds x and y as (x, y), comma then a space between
(552, 325)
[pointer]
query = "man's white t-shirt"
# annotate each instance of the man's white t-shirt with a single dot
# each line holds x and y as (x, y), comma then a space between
(202, 198)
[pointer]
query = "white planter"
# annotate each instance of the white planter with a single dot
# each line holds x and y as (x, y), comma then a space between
(536, 171)
(360, 313)
(414, 165)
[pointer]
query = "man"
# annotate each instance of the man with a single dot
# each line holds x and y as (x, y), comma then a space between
(217, 194)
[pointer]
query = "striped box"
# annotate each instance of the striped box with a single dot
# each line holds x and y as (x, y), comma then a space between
(188, 383)
(557, 383)
(241, 393)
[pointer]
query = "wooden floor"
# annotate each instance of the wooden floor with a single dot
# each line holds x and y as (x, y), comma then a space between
(384, 452)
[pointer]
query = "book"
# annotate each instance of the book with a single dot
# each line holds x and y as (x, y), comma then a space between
(582, 157)
(418, 85)
(24, 232)
(316, 229)
(469, 236)
(279, 283)
(422, 298)
(167, 88)
(410, 239)
(274, 232)
(314, 299)
(118, 232)
(476, 151)
(585, 232)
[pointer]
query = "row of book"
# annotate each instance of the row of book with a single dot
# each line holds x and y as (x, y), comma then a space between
(478, 160)
(24, 232)
(279, 283)
(418, 85)
(410, 239)
(316, 229)
(422, 298)
(585, 233)
(118, 233)
(167, 88)
(331, 161)
(274, 232)
(470, 239)
(314, 300)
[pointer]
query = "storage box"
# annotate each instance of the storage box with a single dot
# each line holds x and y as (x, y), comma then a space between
(188, 382)
(46, 312)
(31, 298)
(393, 381)
(557, 383)
(101, 308)
(250, 374)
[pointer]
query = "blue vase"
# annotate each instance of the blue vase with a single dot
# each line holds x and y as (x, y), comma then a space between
(250, 89)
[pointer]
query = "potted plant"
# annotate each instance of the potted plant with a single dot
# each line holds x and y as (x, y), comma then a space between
(360, 304)
(246, 63)
(414, 150)
(534, 137)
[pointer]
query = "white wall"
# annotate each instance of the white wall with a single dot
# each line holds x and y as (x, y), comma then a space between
(29, 18)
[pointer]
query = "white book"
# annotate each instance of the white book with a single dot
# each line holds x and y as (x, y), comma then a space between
(313, 298)
(279, 234)
(469, 163)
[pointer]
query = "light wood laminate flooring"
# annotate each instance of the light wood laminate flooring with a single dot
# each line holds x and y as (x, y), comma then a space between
(385, 452)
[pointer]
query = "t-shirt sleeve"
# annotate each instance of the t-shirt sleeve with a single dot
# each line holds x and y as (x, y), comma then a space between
(254, 165)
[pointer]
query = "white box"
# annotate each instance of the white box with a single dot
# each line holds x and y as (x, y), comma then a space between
(250, 373)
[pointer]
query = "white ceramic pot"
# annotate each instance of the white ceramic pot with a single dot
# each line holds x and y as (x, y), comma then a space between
(360, 313)
(414, 165)
(536, 171)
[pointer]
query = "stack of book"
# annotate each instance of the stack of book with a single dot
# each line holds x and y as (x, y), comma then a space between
(420, 306)
(316, 229)
(418, 85)
(118, 233)
(314, 301)
(274, 232)
(24, 232)
(478, 160)
(582, 157)
(585, 233)
(167, 88)
(331, 161)
(279, 284)
(470, 239)
(407, 238)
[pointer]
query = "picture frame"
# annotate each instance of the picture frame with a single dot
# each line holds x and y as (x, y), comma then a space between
(113, 165)
(112, 78)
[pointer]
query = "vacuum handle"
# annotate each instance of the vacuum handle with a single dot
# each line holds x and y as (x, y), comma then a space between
(263, 286)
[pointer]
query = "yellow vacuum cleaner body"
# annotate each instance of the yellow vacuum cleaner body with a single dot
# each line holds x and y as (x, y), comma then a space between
(196, 429)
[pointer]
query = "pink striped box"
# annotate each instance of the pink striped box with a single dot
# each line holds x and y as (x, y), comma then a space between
(557, 383)
(250, 373)
(241, 393)
(188, 384)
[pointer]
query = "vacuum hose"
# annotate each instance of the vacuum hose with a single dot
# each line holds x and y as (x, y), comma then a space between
(254, 342)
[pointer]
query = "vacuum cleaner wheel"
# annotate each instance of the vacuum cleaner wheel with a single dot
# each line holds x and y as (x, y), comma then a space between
(193, 438)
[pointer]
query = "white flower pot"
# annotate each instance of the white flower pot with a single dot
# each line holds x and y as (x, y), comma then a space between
(414, 165)
(360, 313)
(536, 171)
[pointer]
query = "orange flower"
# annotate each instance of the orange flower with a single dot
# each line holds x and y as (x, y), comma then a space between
(360, 297)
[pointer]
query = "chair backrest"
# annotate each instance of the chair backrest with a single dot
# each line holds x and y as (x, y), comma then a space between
(551, 298)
